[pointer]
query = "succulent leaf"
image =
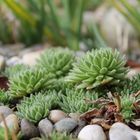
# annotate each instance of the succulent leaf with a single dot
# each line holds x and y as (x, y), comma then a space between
(57, 61)
(98, 67)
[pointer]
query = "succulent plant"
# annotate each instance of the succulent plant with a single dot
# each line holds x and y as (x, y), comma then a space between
(127, 108)
(15, 69)
(57, 61)
(60, 85)
(29, 81)
(4, 96)
(74, 100)
(59, 136)
(98, 67)
(36, 107)
(130, 86)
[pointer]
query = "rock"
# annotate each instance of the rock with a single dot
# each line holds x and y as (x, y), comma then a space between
(120, 131)
(13, 61)
(12, 123)
(5, 111)
(30, 58)
(2, 62)
(136, 122)
(75, 116)
(10, 50)
(57, 115)
(28, 129)
(80, 126)
(65, 125)
(92, 132)
(45, 127)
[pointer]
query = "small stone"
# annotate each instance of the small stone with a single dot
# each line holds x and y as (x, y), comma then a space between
(80, 126)
(13, 61)
(2, 62)
(92, 132)
(120, 131)
(65, 125)
(133, 72)
(136, 122)
(5, 111)
(30, 58)
(28, 129)
(75, 116)
(12, 123)
(45, 127)
(57, 115)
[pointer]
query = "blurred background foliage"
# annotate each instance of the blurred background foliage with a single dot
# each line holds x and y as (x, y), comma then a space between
(62, 23)
(58, 21)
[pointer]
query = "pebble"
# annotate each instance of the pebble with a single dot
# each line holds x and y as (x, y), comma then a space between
(65, 125)
(57, 115)
(45, 127)
(12, 123)
(2, 62)
(92, 132)
(5, 111)
(75, 116)
(13, 61)
(30, 58)
(80, 126)
(28, 129)
(120, 131)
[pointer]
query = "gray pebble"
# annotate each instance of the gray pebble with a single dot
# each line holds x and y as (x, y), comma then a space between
(120, 131)
(5, 111)
(28, 129)
(65, 125)
(45, 127)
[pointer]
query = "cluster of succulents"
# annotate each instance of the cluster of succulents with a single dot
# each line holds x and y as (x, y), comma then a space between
(60, 136)
(11, 71)
(4, 97)
(75, 100)
(57, 61)
(127, 107)
(98, 67)
(59, 81)
(29, 81)
(36, 107)
(130, 86)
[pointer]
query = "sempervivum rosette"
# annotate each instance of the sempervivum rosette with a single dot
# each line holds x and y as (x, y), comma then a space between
(57, 61)
(36, 107)
(98, 67)
(29, 81)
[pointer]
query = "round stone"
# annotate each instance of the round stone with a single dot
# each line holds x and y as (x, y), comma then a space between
(45, 127)
(5, 111)
(65, 125)
(92, 132)
(28, 129)
(12, 123)
(120, 131)
(57, 115)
